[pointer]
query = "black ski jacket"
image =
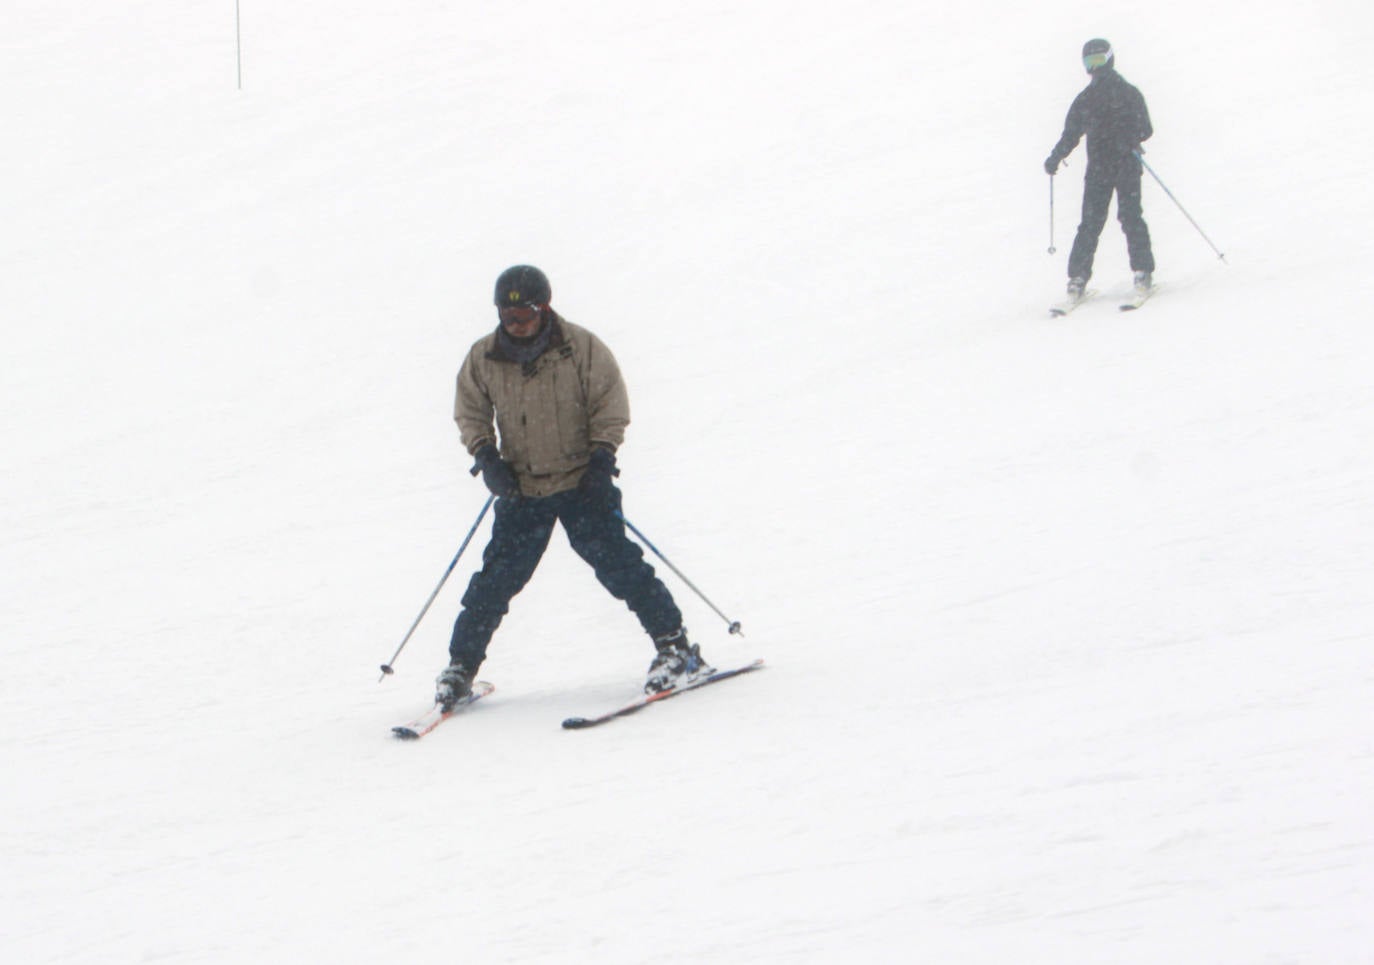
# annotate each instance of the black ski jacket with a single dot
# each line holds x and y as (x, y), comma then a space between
(1113, 115)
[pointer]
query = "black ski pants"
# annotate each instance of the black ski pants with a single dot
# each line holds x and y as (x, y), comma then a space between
(520, 535)
(1103, 179)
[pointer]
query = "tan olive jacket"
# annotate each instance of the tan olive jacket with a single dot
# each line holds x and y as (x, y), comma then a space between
(548, 414)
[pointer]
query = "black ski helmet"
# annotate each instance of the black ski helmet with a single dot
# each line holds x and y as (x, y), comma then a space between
(1097, 53)
(522, 285)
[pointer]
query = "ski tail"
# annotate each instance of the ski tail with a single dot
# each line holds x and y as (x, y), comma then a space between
(1138, 298)
(1060, 309)
(436, 715)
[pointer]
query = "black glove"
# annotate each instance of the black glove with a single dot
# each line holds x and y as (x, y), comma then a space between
(1051, 164)
(496, 472)
(595, 485)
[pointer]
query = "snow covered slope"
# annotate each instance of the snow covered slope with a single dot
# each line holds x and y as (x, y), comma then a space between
(1069, 623)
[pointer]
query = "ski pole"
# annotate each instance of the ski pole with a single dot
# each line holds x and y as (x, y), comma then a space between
(733, 624)
(1147, 167)
(386, 667)
(1051, 214)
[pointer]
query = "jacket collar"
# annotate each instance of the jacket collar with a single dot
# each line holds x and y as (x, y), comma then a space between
(497, 352)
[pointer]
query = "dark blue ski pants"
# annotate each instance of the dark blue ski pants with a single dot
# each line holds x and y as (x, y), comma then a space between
(1103, 179)
(520, 535)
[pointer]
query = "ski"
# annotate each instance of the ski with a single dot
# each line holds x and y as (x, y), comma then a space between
(426, 722)
(581, 723)
(1137, 299)
(1060, 309)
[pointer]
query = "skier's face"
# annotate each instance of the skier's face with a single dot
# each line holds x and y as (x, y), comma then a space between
(1092, 62)
(520, 321)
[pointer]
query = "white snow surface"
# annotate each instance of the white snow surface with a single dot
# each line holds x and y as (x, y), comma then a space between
(1069, 623)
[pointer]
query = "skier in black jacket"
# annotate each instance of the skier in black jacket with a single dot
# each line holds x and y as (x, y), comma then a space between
(1112, 114)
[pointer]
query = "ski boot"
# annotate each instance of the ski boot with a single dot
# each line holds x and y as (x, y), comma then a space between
(452, 685)
(678, 662)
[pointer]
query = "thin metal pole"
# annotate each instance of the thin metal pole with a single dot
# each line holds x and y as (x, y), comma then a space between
(1051, 214)
(386, 667)
(1180, 207)
(733, 624)
(238, 42)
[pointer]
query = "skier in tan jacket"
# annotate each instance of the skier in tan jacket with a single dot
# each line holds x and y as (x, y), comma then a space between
(542, 408)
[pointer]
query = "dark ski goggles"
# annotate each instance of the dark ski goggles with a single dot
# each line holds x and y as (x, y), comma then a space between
(520, 314)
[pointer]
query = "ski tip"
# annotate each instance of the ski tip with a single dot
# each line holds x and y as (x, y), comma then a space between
(404, 733)
(754, 664)
(575, 723)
